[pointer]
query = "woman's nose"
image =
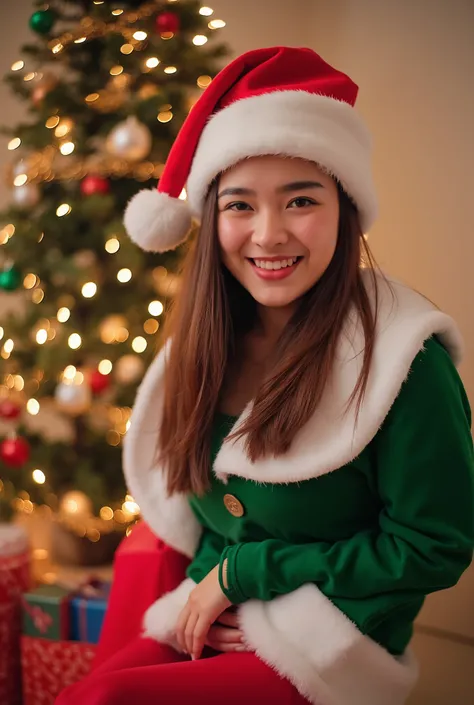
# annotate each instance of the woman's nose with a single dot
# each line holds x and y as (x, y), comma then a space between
(269, 230)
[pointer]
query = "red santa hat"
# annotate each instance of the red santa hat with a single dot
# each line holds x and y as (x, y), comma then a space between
(276, 101)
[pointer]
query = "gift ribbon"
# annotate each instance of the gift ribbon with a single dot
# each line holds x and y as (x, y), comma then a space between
(82, 619)
(90, 588)
(41, 619)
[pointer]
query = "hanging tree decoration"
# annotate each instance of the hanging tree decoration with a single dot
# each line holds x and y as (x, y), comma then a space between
(10, 277)
(128, 369)
(44, 85)
(42, 21)
(14, 451)
(26, 196)
(95, 185)
(130, 140)
(98, 382)
(168, 23)
(73, 399)
(9, 411)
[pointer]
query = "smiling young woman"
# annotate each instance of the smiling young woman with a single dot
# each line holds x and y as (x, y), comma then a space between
(303, 437)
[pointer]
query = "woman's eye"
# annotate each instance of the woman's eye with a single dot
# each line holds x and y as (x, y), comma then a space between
(237, 206)
(301, 202)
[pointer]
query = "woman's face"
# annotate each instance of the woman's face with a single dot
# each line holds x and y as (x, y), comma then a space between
(277, 226)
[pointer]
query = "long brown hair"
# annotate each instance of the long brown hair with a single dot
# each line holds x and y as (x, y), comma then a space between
(210, 316)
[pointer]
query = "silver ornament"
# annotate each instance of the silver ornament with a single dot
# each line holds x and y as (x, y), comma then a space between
(130, 140)
(73, 399)
(26, 196)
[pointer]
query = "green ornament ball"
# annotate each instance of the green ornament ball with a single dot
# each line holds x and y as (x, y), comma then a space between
(10, 279)
(42, 21)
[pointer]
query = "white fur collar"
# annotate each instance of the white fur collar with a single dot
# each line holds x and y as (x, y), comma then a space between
(328, 441)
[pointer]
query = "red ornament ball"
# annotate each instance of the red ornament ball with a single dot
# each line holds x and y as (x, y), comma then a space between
(14, 452)
(93, 185)
(98, 382)
(168, 22)
(9, 410)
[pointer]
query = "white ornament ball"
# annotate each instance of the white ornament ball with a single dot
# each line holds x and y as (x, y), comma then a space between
(21, 167)
(128, 369)
(130, 140)
(75, 503)
(73, 399)
(26, 196)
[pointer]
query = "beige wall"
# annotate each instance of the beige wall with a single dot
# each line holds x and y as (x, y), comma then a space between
(14, 32)
(414, 63)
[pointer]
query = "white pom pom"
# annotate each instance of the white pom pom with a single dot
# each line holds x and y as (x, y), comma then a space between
(157, 222)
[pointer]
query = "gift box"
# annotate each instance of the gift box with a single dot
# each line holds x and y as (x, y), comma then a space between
(50, 666)
(46, 612)
(14, 580)
(160, 570)
(88, 607)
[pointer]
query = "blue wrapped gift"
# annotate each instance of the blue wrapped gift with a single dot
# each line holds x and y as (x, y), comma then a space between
(88, 608)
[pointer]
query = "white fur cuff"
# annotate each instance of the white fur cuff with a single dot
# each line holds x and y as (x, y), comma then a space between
(160, 619)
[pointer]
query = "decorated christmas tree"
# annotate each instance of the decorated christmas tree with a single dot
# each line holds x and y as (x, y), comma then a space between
(107, 85)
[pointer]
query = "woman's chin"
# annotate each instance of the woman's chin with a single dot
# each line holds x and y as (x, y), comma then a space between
(275, 299)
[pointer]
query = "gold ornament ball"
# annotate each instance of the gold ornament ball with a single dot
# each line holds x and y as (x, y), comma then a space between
(111, 327)
(128, 369)
(75, 504)
(148, 90)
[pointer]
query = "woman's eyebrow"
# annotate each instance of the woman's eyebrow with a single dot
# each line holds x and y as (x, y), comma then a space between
(299, 186)
(293, 186)
(236, 191)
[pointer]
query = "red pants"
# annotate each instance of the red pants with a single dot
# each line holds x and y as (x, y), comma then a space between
(150, 673)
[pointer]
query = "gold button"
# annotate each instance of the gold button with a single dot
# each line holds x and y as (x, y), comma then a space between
(233, 505)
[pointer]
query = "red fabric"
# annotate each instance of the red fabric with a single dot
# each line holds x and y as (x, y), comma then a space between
(149, 673)
(129, 668)
(144, 569)
(254, 73)
(14, 580)
(50, 666)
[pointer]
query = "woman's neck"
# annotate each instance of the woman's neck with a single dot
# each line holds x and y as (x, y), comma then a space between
(272, 321)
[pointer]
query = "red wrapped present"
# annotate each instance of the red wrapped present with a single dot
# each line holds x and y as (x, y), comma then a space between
(50, 666)
(14, 580)
(144, 569)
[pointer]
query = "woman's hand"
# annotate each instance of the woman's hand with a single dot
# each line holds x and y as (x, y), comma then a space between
(205, 604)
(225, 634)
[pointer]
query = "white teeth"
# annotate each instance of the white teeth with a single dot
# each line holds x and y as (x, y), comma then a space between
(281, 264)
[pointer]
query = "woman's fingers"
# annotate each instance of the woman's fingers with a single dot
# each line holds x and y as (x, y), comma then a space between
(200, 631)
(221, 646)
(225, 635)
(181, 626)
(222, 639)
(189, 631)
(228, 618)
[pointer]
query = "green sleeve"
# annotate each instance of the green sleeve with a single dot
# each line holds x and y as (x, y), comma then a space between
(425, 537)
(207, 555)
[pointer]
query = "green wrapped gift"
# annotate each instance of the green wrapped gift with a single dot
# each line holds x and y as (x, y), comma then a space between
(46, 612)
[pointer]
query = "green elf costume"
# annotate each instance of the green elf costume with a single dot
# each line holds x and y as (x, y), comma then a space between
(330, 549)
